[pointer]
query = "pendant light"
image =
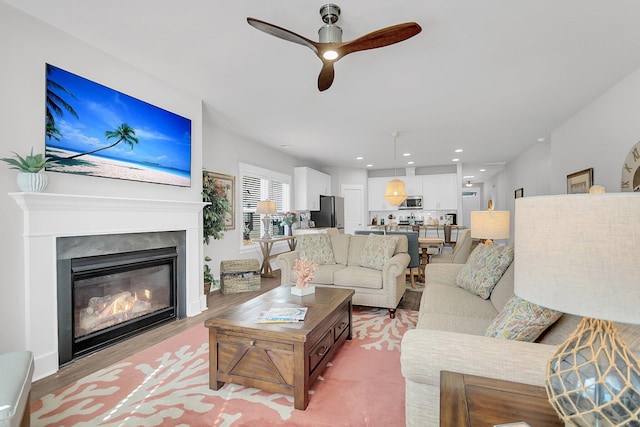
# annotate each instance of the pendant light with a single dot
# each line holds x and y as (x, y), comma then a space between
(395, 193)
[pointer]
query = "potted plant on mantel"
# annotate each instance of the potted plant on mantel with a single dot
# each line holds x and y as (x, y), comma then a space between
(30, 178)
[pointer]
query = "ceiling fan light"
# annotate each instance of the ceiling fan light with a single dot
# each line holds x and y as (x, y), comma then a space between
(330, 55)
(395, 193)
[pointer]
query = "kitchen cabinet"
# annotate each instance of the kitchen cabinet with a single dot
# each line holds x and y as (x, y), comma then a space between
(310, 184)
(376, 187)
(440, 192)
(413, 184)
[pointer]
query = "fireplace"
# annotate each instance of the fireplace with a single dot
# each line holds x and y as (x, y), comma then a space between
(61, 227)
(115, 292)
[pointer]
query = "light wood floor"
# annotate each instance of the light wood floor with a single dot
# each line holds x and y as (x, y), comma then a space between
(217, 303)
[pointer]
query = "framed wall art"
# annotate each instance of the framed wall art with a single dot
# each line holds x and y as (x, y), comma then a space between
(225, 186)
(93, 130)
(519, 193)
(580, 182)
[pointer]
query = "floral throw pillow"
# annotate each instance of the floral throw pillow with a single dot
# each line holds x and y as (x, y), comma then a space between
(378, 249)
(316, 248)
(521, 320)
(485, 266)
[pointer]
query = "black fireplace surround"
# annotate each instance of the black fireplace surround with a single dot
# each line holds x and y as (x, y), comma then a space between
(111, 287)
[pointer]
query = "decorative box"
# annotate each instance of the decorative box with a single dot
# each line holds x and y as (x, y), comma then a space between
(241, 275)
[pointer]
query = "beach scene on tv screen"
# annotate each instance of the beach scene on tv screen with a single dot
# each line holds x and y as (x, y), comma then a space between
(97, 131)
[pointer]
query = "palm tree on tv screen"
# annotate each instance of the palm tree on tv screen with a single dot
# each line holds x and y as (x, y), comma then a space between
(56, 104)
(124, 133)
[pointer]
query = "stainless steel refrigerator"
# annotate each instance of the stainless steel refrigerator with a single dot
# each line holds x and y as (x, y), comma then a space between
(331, 213)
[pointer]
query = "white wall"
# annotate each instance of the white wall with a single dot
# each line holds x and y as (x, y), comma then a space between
(26, 45)
(222, 151)
(600, 136)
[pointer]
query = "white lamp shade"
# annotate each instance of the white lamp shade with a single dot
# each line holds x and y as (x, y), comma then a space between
(395, 192)
(580, 254)
(266, 207)
(490, 224)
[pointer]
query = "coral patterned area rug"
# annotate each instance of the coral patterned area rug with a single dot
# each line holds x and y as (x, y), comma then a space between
(168, 385)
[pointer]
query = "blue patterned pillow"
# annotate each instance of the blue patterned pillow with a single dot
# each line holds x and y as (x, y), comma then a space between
(378, 249)
(485, 266)
(316, 248)
(521, 320)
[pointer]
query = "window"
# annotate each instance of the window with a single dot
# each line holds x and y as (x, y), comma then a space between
(263, 184)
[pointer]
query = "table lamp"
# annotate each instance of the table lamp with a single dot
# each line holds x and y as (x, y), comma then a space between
(490, 224)
(580, 254)
(266, 207)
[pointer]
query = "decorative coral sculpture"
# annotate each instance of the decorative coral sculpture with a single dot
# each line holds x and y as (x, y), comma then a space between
(304, 270)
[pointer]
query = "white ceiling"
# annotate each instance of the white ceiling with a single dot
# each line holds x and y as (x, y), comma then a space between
(487, 76)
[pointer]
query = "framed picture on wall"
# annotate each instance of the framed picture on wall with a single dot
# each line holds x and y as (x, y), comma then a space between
(226, 185)
(519, 193)
(580, 182)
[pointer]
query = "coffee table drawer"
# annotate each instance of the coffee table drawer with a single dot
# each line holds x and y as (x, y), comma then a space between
(341, 326)
(320, 350)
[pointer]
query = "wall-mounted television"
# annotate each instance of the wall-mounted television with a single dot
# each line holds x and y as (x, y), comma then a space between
(97, 131)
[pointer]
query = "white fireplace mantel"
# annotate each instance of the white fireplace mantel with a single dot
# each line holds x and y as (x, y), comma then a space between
(48, 216)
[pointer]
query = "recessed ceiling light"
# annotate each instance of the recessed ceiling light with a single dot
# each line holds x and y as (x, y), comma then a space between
(455, 160)
(483, 170)
(359, 158)
(406, 154)
(542, 139)
(459, 150)
(468, 176)
(410, 163)
(369, 166)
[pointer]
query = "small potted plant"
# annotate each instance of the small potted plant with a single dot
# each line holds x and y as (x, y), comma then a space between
(29, 167)
(208, 276)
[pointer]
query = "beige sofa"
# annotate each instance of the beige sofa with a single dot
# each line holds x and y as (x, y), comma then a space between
(449, 336)
(375, 288)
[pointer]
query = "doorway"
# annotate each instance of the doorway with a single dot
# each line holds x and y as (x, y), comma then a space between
(353, 207)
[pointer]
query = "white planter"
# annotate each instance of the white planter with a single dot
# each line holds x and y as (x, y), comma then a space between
(30, 182)
(303, 291)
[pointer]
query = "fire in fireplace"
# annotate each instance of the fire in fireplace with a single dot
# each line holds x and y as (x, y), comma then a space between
(115, 296)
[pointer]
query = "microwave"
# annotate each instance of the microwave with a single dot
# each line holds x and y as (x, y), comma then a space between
(412, 202)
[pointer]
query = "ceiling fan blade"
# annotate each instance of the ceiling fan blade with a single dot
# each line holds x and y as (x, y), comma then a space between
(325, 79)
(381, 38)
(283, 33)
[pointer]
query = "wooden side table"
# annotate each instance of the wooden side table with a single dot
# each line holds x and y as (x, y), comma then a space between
(469, 400)
(266, 245)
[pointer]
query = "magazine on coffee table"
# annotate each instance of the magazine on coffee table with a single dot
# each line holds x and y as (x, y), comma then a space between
(283, 315)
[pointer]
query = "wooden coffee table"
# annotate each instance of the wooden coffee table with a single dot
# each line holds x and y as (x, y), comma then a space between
(281, 358)
(469, 400)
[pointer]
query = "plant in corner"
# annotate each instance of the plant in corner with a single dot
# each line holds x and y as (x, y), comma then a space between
(208, 276)
(213, 214)
(29, 177)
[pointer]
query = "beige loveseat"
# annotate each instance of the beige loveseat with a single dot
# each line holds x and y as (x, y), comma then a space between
(375, 288)
(449, 336)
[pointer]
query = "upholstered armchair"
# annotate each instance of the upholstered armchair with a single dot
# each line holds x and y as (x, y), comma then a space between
(460, 253)
(16, 372)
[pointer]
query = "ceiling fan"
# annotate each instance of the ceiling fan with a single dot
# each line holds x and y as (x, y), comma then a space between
(330, 48)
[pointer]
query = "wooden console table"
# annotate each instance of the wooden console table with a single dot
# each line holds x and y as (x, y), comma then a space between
(281, 358)
(266, 245)
(469, 400)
